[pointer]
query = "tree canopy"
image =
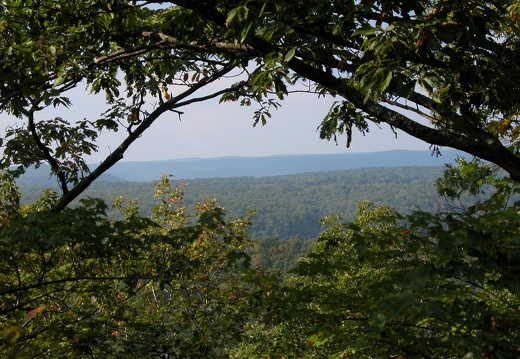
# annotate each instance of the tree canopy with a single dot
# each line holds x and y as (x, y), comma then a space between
(441, 71)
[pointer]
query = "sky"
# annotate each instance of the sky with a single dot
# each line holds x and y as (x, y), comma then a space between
(210, 129)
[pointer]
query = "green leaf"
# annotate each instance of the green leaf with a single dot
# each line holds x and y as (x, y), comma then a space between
(231, 15)
(386, 82)
(290, 54)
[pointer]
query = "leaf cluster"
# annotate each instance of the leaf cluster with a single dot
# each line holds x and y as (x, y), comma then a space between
(77, 283)
(420, 285)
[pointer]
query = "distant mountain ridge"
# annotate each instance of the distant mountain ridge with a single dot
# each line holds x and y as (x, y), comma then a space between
(275, 165)
(143, 171)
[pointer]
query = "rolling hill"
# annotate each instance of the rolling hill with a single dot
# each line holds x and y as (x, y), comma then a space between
(142, 171)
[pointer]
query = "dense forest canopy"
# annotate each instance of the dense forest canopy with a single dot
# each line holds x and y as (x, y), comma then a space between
(289, 205)
(76, 283)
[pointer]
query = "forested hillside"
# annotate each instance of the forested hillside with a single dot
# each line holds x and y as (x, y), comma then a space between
(290, 205)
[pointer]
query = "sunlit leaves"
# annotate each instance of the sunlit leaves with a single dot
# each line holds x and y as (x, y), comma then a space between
(9, 197)
(77, 282)
(11, 334)
(476, 186)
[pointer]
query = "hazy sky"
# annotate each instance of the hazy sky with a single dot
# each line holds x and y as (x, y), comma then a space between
(213, 130)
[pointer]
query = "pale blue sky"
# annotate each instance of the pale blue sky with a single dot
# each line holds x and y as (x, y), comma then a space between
(213, 130)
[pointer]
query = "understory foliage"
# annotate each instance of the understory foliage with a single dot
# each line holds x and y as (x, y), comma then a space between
(75, 284)
(433, 285)
(444, 285)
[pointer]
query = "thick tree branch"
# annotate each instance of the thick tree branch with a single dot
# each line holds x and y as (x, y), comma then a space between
(414, 109)
(166, 42)
(484, 146)
(475, 141)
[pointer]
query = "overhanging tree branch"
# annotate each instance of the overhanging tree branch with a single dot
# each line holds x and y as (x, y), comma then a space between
(484, 147)
(462, 133)
(118, 153)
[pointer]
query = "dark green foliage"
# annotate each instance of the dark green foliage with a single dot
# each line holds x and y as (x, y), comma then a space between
(427, 285)
(278, 254)
(76, 283)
